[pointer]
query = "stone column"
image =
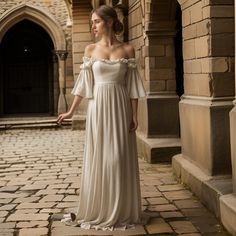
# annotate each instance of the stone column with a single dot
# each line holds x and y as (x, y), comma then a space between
(55, 83)
(81, 37)
(208, 42)
(228, 201)
(158, 135)
(62, 55)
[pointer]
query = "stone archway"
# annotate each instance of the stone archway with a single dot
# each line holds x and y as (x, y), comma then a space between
(36, 15)
(54, 30)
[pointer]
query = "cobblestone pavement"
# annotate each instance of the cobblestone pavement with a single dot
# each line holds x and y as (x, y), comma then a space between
(39, 179)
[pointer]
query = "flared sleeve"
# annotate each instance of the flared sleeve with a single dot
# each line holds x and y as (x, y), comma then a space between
(84, 83)
(133, 80)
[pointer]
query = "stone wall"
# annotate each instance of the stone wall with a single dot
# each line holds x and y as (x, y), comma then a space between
(208, 51)
(208, 34)
(209, 91)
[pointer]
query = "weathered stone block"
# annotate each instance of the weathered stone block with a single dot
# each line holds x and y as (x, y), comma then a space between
(26, 217)
(182, 227)
(222, 25)
(162, 74)
(167, 107)
(203, 27)
(186, 17)
(223, 84)
(205, 134)
(79, 60)
(202, 46)
(190, 31)
(222, 44)
(214, 64)
(158, 50)
(33, 231)
(150, 62)
(157, 85)
(196, 12)
(169, 51)
(187, 3)
(158, 226)
(187, 66)
(197, 84)
(196, 66)
(218, 2)
(171, 85)
(165, 62)
(189, 49)
(218, 11)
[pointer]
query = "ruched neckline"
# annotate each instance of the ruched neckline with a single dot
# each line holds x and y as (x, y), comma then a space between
(110, 61)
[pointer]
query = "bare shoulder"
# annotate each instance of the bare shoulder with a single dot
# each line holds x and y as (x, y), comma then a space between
(129, 49)
(89, 49)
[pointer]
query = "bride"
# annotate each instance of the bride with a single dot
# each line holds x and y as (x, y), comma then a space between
(110, 190)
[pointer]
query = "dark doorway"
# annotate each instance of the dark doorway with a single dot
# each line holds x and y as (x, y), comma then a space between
(26, 71)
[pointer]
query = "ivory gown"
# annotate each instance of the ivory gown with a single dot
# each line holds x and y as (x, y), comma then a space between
(110, 190)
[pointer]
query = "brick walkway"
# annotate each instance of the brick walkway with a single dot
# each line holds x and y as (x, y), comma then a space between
(39, 176)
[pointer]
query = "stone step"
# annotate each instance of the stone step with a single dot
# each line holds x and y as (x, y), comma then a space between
(32, 122)
(157, 150)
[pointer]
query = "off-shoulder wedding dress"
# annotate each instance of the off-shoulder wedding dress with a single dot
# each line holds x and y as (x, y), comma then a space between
(110, 190)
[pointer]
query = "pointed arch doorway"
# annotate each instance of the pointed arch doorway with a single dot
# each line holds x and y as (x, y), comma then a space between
(26, 58)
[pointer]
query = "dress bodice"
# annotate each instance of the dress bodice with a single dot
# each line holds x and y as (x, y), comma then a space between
(105, 72)
(96, 72)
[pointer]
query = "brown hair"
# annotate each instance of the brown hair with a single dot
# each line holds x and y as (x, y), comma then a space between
(108, 13)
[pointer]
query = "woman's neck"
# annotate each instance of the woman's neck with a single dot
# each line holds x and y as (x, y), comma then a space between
(108, 40)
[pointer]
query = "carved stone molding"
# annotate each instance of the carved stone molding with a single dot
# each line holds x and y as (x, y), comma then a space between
(62, 54)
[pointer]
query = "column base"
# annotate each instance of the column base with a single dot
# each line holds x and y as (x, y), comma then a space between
(205, 133)
(62, 105)
(78, 122)
(228, 212)
(156, 150)
(209, 189)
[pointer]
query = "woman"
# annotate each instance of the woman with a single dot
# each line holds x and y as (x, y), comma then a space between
(110, 190)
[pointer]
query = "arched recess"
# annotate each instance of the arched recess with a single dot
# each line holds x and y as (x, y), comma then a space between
(36, 15)
(49, 24)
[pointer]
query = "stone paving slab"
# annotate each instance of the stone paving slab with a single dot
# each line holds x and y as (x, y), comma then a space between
(40, 172)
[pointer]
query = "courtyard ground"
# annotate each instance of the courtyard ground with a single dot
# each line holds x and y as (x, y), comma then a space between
(40, 179)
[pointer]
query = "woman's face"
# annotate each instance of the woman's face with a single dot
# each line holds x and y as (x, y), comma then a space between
(99, 26)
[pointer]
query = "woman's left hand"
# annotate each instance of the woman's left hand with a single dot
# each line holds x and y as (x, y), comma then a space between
(133, 124)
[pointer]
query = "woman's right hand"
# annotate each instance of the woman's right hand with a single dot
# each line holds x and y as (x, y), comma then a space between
(63, 116)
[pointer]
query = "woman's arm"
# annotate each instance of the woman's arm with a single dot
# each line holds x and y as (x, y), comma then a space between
(134, 122)
(77, 100)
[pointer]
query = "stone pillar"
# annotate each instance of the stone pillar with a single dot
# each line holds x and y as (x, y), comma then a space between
(228, 201)
(81, 37)
(55, 83)
(208, 42)
(158, 135)
(62, 55)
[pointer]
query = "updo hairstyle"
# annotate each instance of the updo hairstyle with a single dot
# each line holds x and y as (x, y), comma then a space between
(108, 13)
